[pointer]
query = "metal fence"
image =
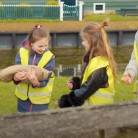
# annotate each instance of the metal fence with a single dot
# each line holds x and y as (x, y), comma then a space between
(72, 70)
(70, 12)
(76, 70)
(57, 12)
(29, 12)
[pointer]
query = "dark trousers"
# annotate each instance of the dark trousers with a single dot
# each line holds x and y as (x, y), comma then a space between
(27, 106)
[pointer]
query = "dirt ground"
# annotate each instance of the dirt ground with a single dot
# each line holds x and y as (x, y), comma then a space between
(64, 26)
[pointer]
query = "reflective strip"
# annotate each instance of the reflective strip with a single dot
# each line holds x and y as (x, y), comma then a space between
(87, 104)
(33, 93)
(136, 52)
(39, 93)
(50, 82)
(21, 90)
(104, 95)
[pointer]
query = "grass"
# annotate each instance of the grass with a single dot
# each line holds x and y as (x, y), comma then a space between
(124, 93)
(112, 17)
(7, 98)
(90, 17)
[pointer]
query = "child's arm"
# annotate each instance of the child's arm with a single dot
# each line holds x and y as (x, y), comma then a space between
(32, 77)
(50, 66)
(16, 76)
(77, 97)
(19, 76)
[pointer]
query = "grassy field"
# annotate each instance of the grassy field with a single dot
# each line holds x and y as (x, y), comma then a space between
(124, 93)
(111, 17)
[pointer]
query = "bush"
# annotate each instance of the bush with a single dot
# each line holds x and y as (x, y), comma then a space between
(51, 2)
(24, 4)
(1, 3)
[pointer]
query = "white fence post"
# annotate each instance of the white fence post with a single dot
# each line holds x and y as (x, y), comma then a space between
(75, 72)
(80, 10)
(61, 11)
(79, 68)
(76, 4)
(60, 68)
(58, 2)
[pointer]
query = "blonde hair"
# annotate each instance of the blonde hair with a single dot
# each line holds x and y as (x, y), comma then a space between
(36, 34)
(96, 36)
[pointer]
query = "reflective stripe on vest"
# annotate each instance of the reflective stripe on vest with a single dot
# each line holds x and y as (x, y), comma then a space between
(39, 95)
(103, 95)
(33, 93)
(136, 52)
(86, 104)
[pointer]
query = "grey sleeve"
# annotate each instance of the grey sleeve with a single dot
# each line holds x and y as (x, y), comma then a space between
(132, 66)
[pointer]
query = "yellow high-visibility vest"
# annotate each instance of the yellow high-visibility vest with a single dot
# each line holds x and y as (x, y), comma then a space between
(136, 57)
(136, 52)
(102, 95)
(39, 95)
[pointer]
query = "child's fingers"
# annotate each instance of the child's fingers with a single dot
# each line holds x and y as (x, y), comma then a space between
(126, 79)
(56, 102)
(70, 87)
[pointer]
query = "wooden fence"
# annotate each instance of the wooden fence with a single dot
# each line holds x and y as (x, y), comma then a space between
(92, 122)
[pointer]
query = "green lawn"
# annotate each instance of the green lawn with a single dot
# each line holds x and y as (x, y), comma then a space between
(112, 17)
(124, 93)
(91, 17)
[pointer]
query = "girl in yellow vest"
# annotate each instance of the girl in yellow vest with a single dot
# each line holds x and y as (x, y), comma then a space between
(35, 96)
(96, 86)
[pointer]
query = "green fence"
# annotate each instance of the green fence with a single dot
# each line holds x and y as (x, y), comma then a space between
(70, 12)
(128, 11)
(29, 12)
(30, 2)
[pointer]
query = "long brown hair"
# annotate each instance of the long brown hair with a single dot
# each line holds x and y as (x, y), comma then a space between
(96, 36)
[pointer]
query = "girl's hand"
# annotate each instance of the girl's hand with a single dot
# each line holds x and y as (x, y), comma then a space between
(20, 76)
(33, 77)
(126, 78)
(70, 85)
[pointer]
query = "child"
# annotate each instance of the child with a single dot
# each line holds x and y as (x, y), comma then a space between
(34, 97)
(97, 83)
(131, 70)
